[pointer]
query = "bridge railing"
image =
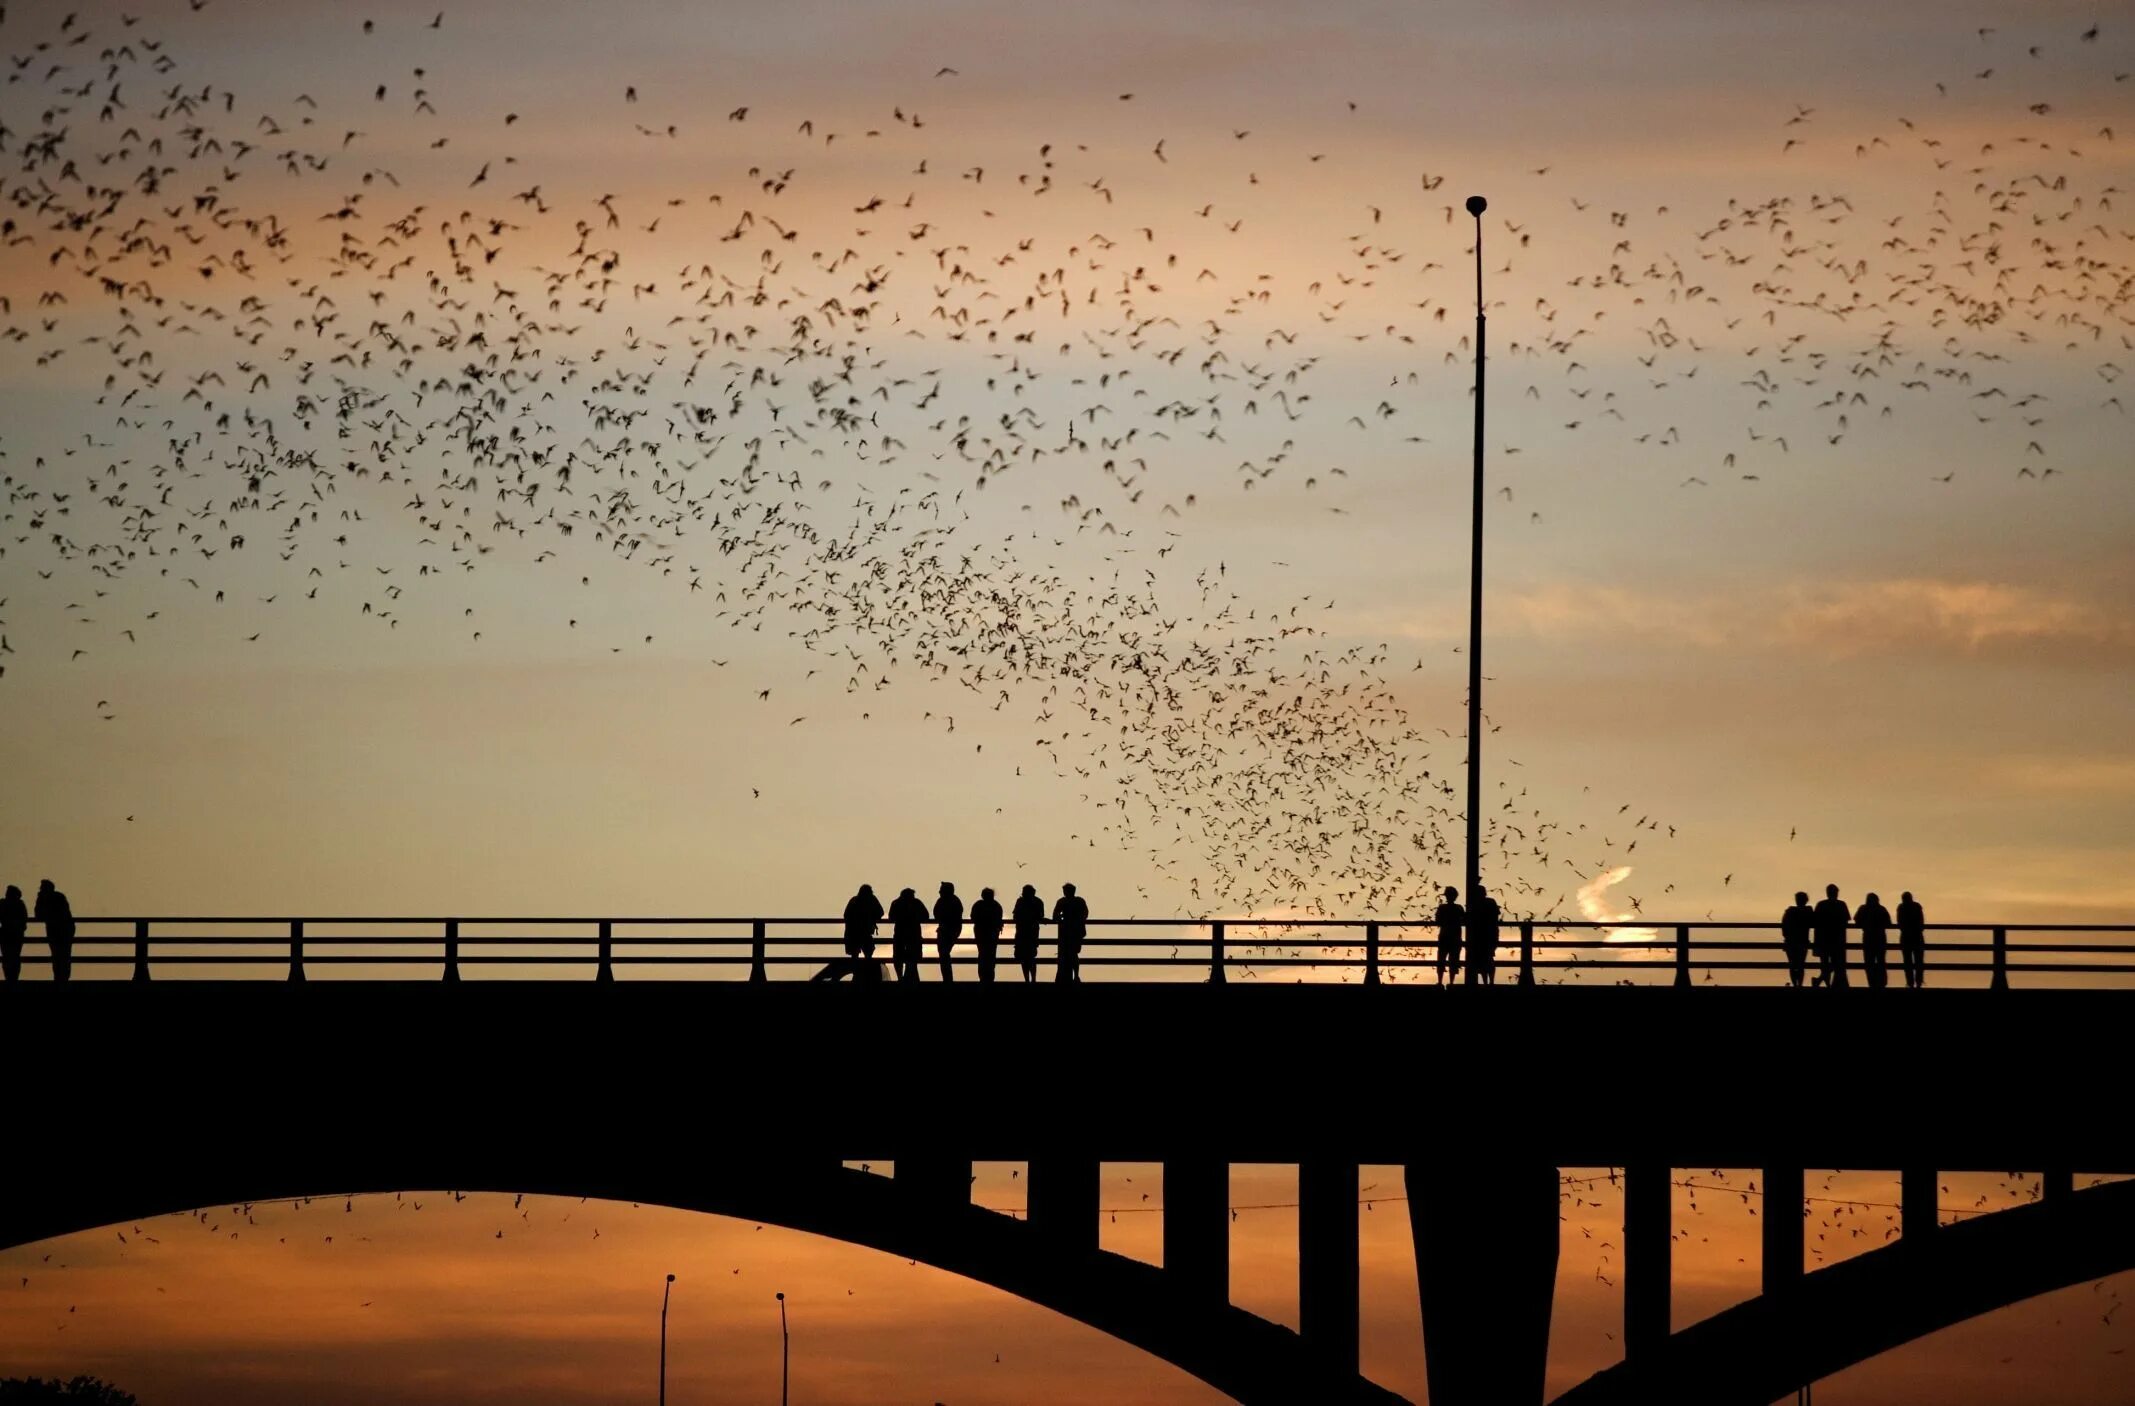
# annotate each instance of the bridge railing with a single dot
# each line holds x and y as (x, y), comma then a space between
(1366, 951)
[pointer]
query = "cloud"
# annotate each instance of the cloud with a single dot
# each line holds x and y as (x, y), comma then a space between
(1595, 907)
(1924, 616)
(1909, 617)
(1577, 610)
(2069, 776)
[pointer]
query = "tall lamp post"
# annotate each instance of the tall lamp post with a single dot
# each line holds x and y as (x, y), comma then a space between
(785, 1350)
(1476, 206)
(664, 1292)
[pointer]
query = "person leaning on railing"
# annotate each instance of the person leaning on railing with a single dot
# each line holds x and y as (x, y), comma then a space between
(57, 915)
(1794, 927)
(1873, 920)
(1029, 916)
(1071, 916)
(1912, 940)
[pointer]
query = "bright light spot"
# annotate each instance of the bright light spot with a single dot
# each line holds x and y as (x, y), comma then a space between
(1594, 906)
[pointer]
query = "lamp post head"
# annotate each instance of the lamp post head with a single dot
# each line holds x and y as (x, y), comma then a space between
(670, 1279)
(781, 1298)
(1476, 206)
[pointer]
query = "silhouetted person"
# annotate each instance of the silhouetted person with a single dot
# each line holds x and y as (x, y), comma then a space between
(948, 927)
(1451, 919)
(862, 912)
(986, 931)
(1830, 921)
(1912, 940)
(1071, 916)
(57, 916)
(1873, 919)
(1482, 938)
(1794, 928)
(14, 923)
(1029, 916)
(907, 916)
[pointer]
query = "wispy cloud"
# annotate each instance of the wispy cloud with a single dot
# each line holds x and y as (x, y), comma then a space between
(1916, 616)
(1595, 907)
(1910, 617)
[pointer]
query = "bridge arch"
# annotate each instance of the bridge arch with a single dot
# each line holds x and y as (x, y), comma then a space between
(1838, 1317)
(1247, 1357)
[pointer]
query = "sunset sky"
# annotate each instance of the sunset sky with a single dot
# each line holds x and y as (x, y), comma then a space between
(658, 457)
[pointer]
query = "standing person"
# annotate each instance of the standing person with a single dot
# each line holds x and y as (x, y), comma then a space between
(986, 931)
(1029, 916)
(907, 916)
(57, 915)
(948, 927)
(1071, 916)
(1794, 925)
(1451, 918)
(1873, 919)
(1482, 938)
(14, 923)
(1830, 919)
(862, 912)
(1912, 940)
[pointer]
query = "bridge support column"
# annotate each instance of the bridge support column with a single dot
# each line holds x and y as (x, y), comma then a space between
(2057, 1183)
(1486, 1271)
(1648, 1264)
(1782, 1228)
(1327, 1260)
(1197, 1227)
(1063, 1200)
(1917, 1211)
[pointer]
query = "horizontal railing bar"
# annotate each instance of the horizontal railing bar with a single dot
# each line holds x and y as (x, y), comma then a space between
(1510, 923)
(1508, 939)
(1197, 964)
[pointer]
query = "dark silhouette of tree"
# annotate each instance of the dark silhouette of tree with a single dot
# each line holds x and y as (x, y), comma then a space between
(82, 1391)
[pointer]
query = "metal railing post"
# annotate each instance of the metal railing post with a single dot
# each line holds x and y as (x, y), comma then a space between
(1215, 953)
(140, 949)
(296, 949)
(2001, 960)
(607, 952)
(452, 949)
(1682, 954)
(756, 952)
(1371, 954)
(1527, 951)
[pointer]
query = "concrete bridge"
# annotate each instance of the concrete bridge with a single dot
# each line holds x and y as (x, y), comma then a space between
(744, 1099)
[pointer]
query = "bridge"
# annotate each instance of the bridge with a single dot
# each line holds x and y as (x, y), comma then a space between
(748, 1096)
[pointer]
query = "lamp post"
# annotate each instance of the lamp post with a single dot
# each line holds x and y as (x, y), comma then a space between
(664, 1292)
(1476, 206)
(785, 1350)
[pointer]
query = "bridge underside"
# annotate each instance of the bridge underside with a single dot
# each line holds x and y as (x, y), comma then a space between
(742, 1101)
(1238, 1353)
(1759, 1351)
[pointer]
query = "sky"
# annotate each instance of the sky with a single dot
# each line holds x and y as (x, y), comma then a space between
(675, 458)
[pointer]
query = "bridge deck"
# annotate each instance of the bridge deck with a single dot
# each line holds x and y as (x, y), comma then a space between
(1127, 1072)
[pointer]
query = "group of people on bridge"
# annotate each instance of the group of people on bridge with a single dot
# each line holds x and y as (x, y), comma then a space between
(1824, 927)
(57, 916)
(1468, 935)
(908, 917)
(1477, 924)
